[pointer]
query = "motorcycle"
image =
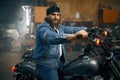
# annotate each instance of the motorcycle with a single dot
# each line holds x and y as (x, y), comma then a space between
(25, 70)
(96, 63)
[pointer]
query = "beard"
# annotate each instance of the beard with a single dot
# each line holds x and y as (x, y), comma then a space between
(54, 22)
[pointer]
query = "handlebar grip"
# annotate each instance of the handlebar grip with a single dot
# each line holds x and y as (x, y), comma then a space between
(79, 36)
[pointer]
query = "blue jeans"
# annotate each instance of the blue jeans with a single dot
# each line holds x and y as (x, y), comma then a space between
(48, 73)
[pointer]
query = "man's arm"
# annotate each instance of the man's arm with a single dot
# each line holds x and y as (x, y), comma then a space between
(82, 33)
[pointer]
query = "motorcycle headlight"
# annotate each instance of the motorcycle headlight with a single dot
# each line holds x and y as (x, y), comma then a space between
(105, 33)
(98, 42)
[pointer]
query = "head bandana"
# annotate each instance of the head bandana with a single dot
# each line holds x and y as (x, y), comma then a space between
(52, 9)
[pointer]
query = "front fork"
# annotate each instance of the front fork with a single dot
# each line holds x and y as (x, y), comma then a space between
(110, 68)
(115, 67)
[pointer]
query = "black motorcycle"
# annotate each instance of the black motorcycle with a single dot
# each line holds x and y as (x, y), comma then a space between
(96, 63)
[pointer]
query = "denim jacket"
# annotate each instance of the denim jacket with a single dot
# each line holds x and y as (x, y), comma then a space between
(46, 52)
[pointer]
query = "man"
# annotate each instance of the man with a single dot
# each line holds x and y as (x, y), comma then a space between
(50, 39)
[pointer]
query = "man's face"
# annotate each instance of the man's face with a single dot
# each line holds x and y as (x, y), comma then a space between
(55, 17)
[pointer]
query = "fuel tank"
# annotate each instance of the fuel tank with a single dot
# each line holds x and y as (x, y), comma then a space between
(83, 66)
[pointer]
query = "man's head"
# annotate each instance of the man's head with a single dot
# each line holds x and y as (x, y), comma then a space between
(52, 9)
(53, 15)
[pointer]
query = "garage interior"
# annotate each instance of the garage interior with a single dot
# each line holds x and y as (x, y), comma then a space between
(25, 15)
(20, 18)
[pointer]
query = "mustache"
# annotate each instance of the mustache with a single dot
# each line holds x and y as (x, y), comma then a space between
(47, 19)
(55, 19)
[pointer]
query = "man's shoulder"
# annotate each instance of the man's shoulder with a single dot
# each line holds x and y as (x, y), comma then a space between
(42, 25)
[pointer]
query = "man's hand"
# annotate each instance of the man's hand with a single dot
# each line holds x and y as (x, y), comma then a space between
(82, 33)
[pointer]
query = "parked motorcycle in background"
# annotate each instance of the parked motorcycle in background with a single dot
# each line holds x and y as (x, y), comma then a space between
(97, 62)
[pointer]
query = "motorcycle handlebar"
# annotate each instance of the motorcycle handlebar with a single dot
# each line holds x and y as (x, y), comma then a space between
(95, 34)
(90, 33)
